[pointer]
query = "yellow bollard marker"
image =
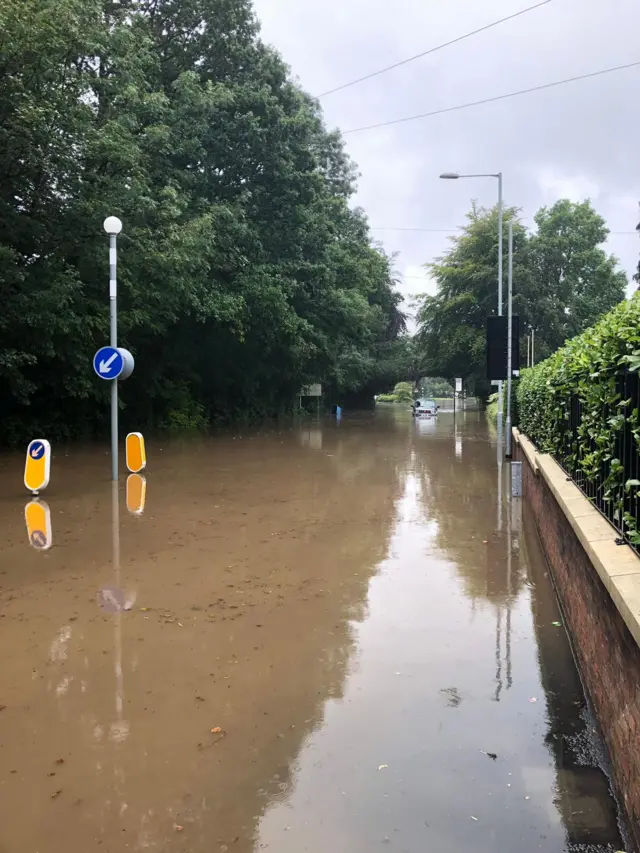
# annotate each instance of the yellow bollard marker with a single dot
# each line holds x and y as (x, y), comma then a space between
(135, 452)
(38, 519)
(38, 465)
(136, 493)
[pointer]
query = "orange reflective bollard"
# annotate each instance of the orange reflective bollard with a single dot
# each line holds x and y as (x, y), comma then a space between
(37, 467)
(135, 452)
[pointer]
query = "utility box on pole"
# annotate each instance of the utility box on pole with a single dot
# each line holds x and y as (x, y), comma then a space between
(497, 347)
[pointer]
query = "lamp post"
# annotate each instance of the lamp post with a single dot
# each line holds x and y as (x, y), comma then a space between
(454, 176)
(509, 343)
(113, 226)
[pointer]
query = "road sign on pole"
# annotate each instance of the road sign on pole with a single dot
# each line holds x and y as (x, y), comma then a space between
(314, 390)
(37, 467)
(108, 363)
(135, 452)
(113, 226)
(113, 363)
(38, 518)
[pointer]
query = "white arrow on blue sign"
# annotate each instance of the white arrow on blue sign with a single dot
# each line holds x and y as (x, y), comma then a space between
(36, 450)
(108, 363)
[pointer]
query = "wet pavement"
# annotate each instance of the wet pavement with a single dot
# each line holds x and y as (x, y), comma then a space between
(338, 637)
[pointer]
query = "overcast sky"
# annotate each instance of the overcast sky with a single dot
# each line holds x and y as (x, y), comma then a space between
(581, 140)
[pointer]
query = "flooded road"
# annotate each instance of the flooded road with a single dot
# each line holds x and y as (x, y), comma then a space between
(338, 637)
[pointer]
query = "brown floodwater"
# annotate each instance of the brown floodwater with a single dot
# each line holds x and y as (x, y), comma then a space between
(336, 637)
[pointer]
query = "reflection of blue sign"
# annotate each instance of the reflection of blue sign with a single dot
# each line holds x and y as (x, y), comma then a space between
(111, 599)
(108, 363)
(36, 451)
(38, 539)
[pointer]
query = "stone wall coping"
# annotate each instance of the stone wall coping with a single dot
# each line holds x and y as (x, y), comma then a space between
(618, 566)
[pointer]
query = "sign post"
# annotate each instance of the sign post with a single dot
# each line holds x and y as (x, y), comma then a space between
(508, 436)
(456, 392)
(113, 226)
(314, 390)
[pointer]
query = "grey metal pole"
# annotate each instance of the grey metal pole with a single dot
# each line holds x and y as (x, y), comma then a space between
(113, 340)
(500, 229)
(533, 360)
(509, 353)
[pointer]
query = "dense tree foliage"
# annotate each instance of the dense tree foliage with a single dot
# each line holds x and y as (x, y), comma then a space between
(243, 272)
(562, 283)
(434, 386)
(595, 448)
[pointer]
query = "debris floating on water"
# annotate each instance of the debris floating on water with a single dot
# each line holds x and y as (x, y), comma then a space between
(382, 766)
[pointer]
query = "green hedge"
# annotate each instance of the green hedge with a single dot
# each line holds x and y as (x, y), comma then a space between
(588, 366)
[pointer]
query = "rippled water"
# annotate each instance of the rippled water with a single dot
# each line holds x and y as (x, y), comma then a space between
(328, 638)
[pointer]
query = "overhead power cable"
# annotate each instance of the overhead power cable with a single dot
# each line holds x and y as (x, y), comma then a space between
(455, 230)
(433, 49)
(494, 98)
(428, 230)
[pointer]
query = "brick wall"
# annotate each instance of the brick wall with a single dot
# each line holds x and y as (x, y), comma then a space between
(608, 656)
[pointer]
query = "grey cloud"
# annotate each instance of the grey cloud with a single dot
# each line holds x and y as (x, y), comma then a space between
(580, 139)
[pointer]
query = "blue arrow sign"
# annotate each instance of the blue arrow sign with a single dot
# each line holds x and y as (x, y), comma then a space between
(36, 450)
(108, 363)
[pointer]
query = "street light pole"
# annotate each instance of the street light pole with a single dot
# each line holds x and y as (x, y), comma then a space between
(113, 226)
(500, 279)
(509, 342)
(454, 176)
(533, 338)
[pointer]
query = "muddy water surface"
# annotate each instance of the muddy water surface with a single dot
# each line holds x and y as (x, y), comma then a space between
(340, 637)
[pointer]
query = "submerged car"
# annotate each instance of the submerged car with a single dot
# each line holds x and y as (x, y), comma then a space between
(426, 408)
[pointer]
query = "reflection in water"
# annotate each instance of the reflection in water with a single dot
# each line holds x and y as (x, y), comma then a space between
(37, 516)
(311, 605)
(449, 617)
(136, 493)
(247, 585)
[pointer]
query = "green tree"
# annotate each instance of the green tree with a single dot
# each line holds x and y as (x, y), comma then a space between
(403, 392)
(573, 281)
(244, 273)
(562, 282)
(432, 386)
(451, 337)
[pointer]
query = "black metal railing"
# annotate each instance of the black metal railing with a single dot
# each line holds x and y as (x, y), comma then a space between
(600, 451)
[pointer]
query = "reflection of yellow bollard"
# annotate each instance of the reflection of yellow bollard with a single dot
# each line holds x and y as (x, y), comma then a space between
(135, 452)
(38, 519)
(136, 493)
(38, 465)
